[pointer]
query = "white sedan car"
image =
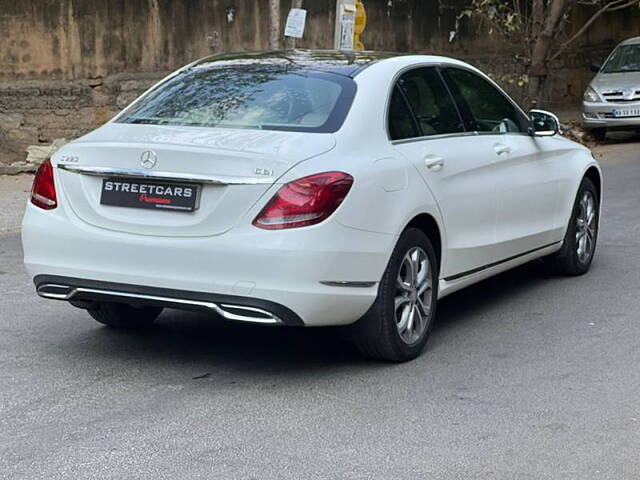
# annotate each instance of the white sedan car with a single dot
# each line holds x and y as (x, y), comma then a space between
(309, 188)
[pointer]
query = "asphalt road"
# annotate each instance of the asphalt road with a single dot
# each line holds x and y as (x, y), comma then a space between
(527, 376)
(14, 191)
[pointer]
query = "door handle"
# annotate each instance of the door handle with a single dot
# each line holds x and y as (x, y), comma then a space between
(434, 162)
(502, 149)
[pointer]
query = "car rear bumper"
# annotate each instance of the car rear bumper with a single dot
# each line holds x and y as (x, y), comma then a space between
(601, 115)
(323, 275)
(83, 293)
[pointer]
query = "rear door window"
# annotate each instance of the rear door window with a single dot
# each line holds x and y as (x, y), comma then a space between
(431, 102)
(402, 124)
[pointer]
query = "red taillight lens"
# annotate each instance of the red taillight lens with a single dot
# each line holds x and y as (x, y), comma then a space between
(305, 201)
(43, 192)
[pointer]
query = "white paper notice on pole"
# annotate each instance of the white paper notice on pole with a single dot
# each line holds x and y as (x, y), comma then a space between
(295, 23)
(347, 24)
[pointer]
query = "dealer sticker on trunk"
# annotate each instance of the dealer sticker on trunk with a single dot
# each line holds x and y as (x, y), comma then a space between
(119, 192)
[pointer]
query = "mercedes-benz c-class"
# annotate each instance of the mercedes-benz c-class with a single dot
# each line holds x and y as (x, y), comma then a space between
(307, 188)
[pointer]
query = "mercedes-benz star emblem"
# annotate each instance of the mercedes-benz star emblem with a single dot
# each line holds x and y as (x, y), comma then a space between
(148, 159)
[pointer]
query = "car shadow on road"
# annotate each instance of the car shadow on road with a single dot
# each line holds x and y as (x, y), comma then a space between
(210, 343)
(617, 137)
(463, 306)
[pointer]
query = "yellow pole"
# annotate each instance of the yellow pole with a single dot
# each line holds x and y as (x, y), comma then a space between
(360, 25)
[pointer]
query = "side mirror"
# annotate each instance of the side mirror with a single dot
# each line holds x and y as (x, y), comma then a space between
(543, 124)
(595, 67)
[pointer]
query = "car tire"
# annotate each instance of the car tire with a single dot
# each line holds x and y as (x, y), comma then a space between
(599, 134)
(122, 316)
(390, 330)
(579, 245)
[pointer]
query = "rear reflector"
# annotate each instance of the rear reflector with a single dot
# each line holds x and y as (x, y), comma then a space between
(43, 192)
(306, 201)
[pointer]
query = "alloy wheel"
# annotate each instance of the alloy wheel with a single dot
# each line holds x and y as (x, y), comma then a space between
(586, 227)
(414, 292)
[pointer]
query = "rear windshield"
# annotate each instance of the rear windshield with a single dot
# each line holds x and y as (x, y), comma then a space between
(248, 96)
(624, 59)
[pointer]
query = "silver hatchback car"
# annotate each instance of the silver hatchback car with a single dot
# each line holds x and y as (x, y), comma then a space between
(612, 99)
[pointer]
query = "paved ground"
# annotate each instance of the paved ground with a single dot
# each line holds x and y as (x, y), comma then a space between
(14, 191)
(526, 376)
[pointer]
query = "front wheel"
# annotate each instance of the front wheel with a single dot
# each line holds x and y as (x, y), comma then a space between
(397, 326)
(122, 316)
(578, 249)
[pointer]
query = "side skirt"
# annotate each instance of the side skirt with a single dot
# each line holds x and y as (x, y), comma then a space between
(457, 282)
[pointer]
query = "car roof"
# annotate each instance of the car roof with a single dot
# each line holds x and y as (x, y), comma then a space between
(631, 41)
(344, 63)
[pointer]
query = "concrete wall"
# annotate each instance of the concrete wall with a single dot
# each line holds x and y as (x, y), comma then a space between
(68, 65)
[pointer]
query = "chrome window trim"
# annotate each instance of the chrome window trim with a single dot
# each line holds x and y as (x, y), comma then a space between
(455, 135)
(433, 137)
(166, 176)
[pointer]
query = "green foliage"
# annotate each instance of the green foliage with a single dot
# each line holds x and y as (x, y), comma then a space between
(502, 16)
(538, 30)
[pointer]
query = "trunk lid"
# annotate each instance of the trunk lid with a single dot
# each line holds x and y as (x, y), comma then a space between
(245, 162)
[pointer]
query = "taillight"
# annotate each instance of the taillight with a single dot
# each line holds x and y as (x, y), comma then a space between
(305, 201)
(43, 192)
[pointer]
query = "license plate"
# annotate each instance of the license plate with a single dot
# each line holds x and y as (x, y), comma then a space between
(625, 112)
(122, 192)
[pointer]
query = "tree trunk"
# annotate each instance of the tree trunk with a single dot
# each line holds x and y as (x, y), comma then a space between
(542, 43)
(274, 24)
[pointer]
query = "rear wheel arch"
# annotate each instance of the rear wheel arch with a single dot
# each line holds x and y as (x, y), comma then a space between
(428, 224)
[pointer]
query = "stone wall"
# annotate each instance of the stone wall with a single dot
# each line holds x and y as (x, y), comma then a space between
(66, 66)
(38, 112)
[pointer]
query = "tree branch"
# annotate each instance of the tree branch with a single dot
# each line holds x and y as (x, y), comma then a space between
(535, 23)
(611, 6)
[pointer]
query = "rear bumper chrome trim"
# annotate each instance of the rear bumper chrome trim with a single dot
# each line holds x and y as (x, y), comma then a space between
(95, 294)
(167, 176)
(240, 309)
